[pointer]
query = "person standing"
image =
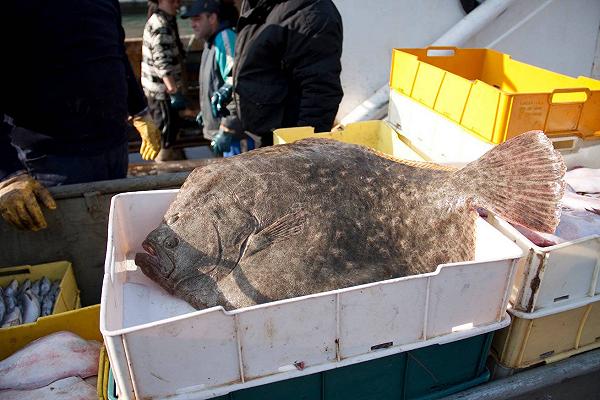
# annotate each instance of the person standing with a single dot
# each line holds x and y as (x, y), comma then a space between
(213, 22)
(287, 69)
(67, 122)
(162, 55)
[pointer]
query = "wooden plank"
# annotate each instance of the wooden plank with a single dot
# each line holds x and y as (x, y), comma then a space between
(144, 169)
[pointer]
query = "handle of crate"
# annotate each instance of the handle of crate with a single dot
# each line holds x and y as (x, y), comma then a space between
(568, 143)
(24, 270)
(433, 49)
(565, 95)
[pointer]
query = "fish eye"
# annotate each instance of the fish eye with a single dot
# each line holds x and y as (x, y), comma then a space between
(171, 242)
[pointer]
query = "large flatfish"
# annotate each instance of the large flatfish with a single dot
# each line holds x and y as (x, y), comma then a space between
(317, 215)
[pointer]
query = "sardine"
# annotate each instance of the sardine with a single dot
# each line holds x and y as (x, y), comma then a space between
(47, 305)
(12, 318)
(318, 215)
(35, 288)
(10, 301)
(44, 286)
(30, 305)
(23, 287)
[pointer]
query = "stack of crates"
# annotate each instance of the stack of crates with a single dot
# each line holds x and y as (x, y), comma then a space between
(555, 303)
(455, 104)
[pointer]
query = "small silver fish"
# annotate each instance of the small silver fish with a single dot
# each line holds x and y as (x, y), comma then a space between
(30, 306)
(47, 305)
(10, 301)
(13, 318)
(24, 286)
(44, 286)
(11, 289)
(35, 288)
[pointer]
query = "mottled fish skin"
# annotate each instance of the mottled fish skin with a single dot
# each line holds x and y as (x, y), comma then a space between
(318, 215)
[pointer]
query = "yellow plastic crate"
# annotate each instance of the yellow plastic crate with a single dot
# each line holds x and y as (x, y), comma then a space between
(494, 96)
(15, 337)
(68, 296)
(530, 341)
(103, 368)
(83, 322)
(374, 134)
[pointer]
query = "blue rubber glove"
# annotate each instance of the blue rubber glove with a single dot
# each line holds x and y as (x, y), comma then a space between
(221, 143)
(220, 99)
(178, 101)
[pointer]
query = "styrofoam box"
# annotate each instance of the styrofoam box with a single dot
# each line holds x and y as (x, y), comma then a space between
(555, 278)
(445, 141)
(159, 346)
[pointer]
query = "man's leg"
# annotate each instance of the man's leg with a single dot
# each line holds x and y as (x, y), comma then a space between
(54, 170)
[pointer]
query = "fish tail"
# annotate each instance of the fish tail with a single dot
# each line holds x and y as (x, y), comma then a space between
(521, 180)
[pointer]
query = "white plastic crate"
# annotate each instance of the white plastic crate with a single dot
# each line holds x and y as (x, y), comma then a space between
(547, 277)
(161, 347)
(445, 141)
(555, 278)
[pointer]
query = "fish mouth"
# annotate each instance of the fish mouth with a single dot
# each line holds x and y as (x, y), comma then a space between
(149, 248)
(150, 262)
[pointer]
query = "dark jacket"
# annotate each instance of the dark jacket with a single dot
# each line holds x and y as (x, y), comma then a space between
(287, 69)
(68, 79)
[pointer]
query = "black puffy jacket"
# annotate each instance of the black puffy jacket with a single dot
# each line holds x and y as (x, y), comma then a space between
(287, 69)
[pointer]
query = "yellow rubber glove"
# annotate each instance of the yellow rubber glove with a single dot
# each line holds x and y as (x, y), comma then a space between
(150, 136)
(19, 205)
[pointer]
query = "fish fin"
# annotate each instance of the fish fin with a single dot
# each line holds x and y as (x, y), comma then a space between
(415, 164)
(521, 180)
(281, 229)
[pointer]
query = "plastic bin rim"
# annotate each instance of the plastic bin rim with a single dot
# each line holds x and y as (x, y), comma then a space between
(540, 249)
(544, 312)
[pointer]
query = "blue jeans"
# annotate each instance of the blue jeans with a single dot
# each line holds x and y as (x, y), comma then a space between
(54, 170)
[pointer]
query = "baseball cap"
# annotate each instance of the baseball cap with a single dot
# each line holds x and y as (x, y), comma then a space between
(201, 6)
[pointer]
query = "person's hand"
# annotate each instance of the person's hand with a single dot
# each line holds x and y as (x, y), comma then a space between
(150, 136)
(200, 120)
(220, 99)
(178, 101)
(19, 205)
(221, 143)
